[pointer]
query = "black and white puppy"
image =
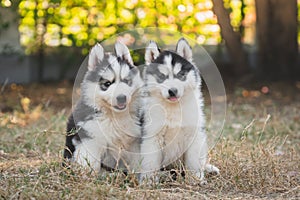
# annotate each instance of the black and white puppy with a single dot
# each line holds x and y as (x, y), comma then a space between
(103, 129)
(174, 121)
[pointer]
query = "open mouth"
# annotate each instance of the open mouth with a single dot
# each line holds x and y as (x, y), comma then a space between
(120, 106)
(173, 99)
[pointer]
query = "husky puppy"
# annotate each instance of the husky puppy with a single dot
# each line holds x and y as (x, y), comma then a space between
(174, 122)
(102, 129)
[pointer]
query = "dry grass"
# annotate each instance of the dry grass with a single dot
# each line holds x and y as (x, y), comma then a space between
(258, 155)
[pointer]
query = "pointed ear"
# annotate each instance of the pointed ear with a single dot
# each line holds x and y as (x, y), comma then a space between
(123, 52)
(152, 52)
(184, 49)
(95, 57)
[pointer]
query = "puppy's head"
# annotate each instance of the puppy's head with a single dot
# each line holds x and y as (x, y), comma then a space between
(111, 79)
(170, 73)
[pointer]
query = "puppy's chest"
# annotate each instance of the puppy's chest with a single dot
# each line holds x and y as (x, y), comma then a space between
(178, 123)
(179, 118)
(116, 132)
(174, 119)
(175, 125)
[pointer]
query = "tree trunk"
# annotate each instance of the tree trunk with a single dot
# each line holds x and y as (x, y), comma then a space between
(277, 38)
(232, 39)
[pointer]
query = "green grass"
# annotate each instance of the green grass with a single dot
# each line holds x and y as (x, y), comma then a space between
(258, 154)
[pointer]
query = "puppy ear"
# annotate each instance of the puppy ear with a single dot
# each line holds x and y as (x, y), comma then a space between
(95, 57)
(184, 49)
(152, 52)
(122, 51)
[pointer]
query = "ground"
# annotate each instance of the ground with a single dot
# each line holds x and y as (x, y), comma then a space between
(258, 154)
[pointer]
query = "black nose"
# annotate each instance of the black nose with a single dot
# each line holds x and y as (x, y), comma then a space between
(121, 99)
(173, 92)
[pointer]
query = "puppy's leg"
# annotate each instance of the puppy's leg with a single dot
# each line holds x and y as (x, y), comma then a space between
(196, 155)
(88, 157)
(151, 159)
(132, 157)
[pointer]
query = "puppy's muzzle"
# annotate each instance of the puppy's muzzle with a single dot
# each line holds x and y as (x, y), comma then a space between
(121, 102)
(173, 92)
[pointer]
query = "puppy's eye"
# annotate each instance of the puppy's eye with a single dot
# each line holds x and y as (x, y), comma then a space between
(107, 83)
(181, 76)
(104, 84)
(161, 78)
(128, 81)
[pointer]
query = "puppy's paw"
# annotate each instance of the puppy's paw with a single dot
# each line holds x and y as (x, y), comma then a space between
(201, 179)
(203, 182)
(211, 169)
(148, 179)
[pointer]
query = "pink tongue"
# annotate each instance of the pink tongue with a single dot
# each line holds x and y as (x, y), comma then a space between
(121, 105)
(173, 98)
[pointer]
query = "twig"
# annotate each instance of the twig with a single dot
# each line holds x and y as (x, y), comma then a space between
(263, 129)
(3, 86)
(246, 129)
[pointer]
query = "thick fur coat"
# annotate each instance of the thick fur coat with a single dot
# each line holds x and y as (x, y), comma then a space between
(103, 129)
(174, 122)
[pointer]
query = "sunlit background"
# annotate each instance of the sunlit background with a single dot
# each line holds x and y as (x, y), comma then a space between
(84, 22)
(68, 28)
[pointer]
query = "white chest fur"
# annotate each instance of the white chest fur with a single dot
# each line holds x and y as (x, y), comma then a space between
(112, 138)
(174, 126)
(111, 131)
(160, 114)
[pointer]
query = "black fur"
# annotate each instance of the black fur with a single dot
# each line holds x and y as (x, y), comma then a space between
(82, 113)
(71, 133)
(181, 75)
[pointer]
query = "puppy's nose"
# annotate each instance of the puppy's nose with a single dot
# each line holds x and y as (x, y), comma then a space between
(173, 92)
(121, 99)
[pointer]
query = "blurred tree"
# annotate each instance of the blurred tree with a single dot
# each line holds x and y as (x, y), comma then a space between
(82, 23)
(47, 24)
(9, 35)
(232, 39)
(277, 38)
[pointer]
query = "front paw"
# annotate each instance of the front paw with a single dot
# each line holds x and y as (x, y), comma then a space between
(200, 175)
(196, 178)
(148, 179)
(211, 169)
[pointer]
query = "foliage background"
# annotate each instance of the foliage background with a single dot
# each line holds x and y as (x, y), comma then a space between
(82, 23)
(53, 27)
